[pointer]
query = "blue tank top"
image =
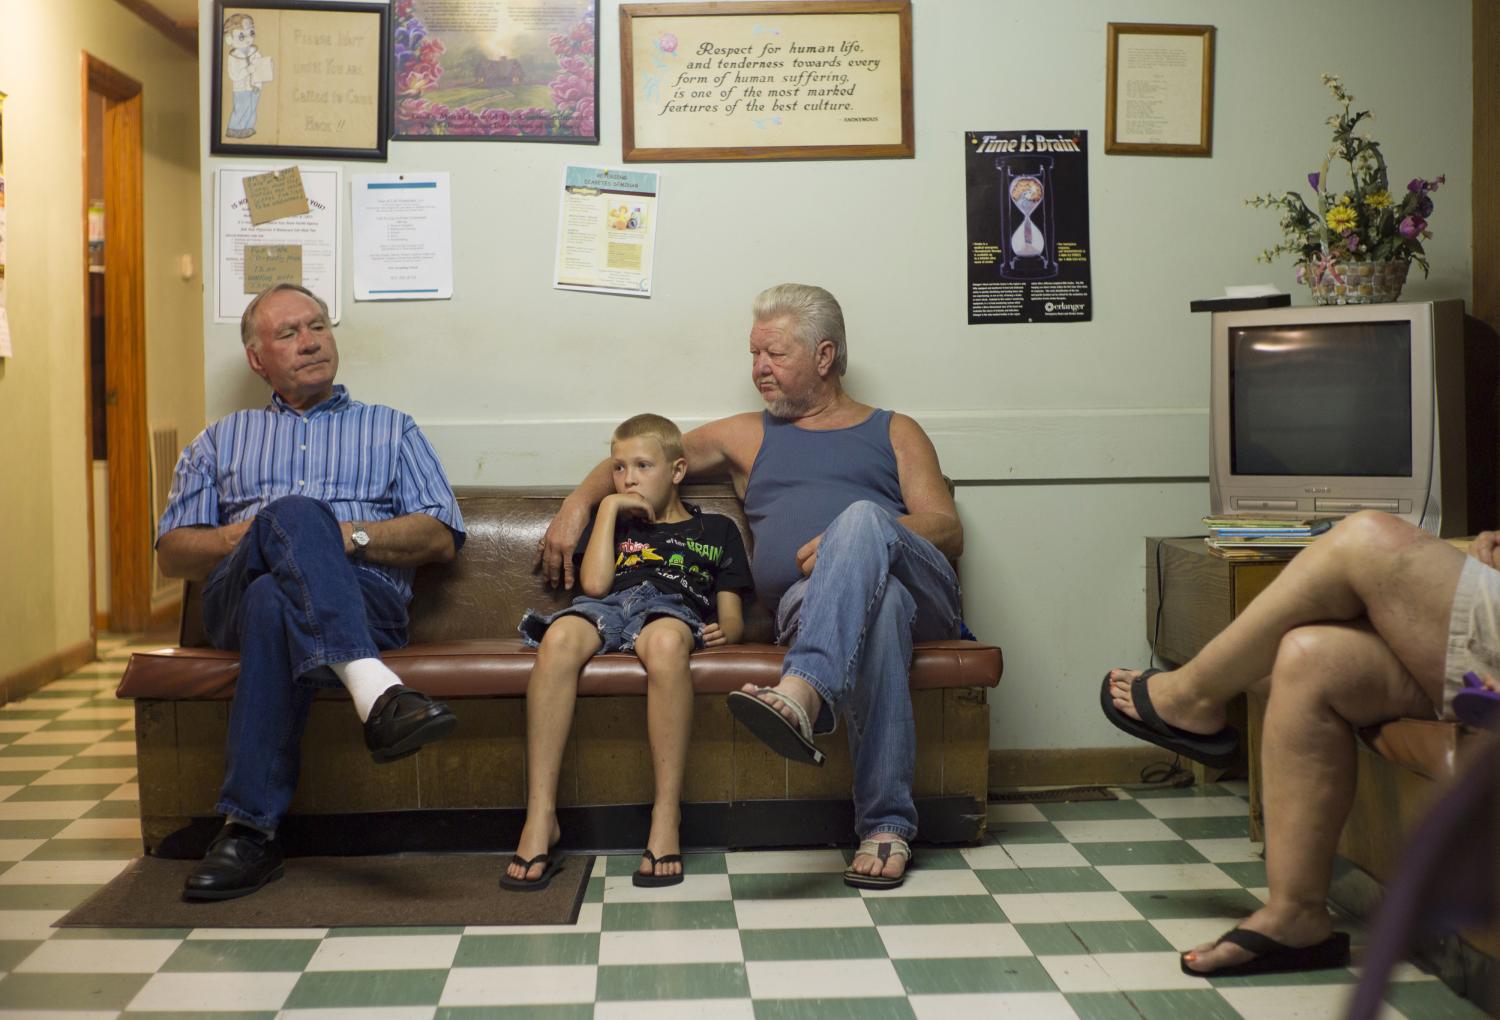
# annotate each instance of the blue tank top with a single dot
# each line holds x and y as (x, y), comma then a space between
(801, 480)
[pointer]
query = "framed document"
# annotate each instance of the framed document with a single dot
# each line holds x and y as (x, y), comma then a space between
(766, 80)
(495, 70)
(300, 79)
(1159, 90)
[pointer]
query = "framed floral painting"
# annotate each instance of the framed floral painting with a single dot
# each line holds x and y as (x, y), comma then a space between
(495, 70)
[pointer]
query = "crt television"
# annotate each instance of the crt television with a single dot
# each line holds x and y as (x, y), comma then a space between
(1329, 410)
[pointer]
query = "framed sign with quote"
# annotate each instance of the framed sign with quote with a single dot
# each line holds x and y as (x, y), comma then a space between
(1159, 90)
(784, 79)
(300, 79)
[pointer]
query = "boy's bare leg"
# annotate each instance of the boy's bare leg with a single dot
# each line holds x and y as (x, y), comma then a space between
(1370, 565)
(1327, 680)
(664, 645)
(550, 694)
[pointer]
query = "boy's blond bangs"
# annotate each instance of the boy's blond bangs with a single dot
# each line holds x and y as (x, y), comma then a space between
(653, 426)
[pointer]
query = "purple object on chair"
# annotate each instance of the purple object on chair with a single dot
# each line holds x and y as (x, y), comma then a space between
(1476, 705)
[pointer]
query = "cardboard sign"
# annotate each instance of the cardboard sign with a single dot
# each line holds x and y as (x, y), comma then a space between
(269, 264)
(275, 195)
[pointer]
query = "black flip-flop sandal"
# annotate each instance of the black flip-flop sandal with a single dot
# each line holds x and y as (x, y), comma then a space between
(653, 881)
(1272, 957)
(1215, 750)
(552, 865)
(881, 849)
(776, 731)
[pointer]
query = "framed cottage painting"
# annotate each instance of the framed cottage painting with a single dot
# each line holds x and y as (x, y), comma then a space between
(495, 70)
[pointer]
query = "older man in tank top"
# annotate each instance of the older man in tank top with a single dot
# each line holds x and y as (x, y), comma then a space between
(854, 532)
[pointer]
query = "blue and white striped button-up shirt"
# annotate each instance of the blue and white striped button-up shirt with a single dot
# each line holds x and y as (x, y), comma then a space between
(368, 462)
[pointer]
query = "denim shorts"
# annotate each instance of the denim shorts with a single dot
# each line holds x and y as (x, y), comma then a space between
(620, 616)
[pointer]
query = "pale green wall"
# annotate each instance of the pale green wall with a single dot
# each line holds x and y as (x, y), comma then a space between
(44, 525)
(1069, 442)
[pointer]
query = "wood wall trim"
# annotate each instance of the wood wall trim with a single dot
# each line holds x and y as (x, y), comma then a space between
(29, 678)
(1060, 766)
(1486, 197)
(183, 34)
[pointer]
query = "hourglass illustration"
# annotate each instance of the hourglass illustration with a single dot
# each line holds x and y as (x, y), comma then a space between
(1026, 218)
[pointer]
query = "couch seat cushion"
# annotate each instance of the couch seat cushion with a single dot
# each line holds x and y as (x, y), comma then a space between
(489, 667)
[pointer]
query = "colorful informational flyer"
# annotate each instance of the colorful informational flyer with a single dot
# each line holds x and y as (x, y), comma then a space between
(1028, 194)
(606, 231)
(315, 231)
(403, 237)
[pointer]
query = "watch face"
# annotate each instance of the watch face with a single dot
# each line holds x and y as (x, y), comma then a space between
(360, 536)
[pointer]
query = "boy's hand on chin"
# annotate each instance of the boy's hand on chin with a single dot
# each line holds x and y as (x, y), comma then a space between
(633, 504)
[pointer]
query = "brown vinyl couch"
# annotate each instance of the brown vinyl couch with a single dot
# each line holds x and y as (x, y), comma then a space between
(468, 792)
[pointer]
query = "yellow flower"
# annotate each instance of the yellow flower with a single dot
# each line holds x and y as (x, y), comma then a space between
(1378, 200)
(1341, 218)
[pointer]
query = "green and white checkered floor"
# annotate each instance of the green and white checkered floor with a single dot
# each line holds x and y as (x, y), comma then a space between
(1067, 910)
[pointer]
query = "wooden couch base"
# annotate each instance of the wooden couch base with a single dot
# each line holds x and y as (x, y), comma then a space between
(180, 746)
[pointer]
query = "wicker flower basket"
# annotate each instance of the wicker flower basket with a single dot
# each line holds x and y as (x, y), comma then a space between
(1360, 283)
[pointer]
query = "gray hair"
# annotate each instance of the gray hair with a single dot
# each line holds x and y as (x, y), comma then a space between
(815, 313)
(247, 320)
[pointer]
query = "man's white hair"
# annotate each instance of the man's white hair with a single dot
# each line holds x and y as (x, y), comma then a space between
(247, 320)
(815, 314)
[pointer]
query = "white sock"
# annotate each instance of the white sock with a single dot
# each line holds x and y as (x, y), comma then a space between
(365, 680)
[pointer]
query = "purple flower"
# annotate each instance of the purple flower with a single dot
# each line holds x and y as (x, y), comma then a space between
(1351, 241)
(1424, 206)
(1301, 273)
(667, 43)
(1412, 226)
(1314, 180)
(1416, 184)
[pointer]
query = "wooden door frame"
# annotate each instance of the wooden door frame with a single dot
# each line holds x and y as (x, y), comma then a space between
(125, 339)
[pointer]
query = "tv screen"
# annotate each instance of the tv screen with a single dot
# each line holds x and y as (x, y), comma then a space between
(1321, 399)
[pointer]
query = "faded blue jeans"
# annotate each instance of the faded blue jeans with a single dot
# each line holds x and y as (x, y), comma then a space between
(290, 602)
(877, 588)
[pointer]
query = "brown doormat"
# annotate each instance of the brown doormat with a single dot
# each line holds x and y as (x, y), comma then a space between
(437, 890)
(1051, 795)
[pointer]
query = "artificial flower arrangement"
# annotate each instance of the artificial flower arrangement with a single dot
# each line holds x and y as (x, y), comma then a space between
(1366, 223)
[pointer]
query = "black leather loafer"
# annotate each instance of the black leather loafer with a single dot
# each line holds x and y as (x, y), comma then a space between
(402, 720)
(239, 861)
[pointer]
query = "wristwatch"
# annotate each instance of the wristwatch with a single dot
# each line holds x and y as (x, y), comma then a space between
(361, 540)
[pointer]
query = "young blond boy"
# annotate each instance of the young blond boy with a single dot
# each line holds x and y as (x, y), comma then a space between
(659, 578)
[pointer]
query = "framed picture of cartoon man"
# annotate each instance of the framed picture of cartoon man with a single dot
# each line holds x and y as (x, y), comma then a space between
(304, 79)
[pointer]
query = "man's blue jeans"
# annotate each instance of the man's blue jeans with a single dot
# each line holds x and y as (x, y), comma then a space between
(290, 602)
(877, 588)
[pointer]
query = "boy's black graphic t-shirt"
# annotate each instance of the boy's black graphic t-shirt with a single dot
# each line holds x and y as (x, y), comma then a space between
(697, 558)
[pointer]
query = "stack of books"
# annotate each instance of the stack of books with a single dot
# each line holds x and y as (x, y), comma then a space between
(1236, 537)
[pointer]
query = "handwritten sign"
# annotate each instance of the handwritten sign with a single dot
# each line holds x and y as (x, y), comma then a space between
(716, 81)
(302, 78)
(275, 196)
(270, 264)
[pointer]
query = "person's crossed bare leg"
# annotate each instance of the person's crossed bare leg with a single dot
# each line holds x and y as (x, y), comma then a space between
(1353, 632)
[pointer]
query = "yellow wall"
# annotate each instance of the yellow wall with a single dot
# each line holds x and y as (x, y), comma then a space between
(44, 525)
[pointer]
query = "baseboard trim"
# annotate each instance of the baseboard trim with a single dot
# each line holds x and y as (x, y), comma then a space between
(21, 682)
(1084, 766)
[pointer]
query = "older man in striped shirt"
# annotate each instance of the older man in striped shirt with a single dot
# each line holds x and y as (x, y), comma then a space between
(305, 521)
